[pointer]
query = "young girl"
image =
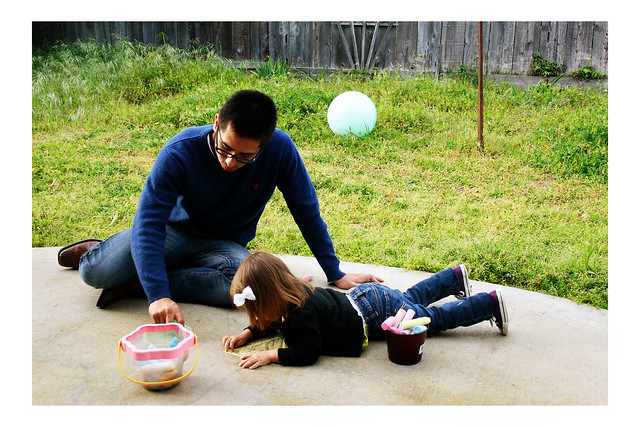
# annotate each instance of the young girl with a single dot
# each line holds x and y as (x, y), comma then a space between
(317, 321)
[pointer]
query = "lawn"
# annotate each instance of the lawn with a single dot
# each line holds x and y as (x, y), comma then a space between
(528, 211)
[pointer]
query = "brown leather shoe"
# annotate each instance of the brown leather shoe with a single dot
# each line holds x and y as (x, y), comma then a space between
(70, 255)
(111, 295)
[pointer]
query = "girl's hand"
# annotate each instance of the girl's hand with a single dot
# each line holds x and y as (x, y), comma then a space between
(234, 341)
(260, 358)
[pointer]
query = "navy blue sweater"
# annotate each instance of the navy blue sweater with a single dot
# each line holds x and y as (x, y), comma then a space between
(188, 187)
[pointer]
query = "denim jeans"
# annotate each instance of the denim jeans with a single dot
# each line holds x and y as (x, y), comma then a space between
(378, 302)
(200, 269)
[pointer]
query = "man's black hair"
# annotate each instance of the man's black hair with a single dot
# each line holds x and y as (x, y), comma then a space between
(251, 114)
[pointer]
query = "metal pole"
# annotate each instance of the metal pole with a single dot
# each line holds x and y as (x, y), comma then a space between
(480, 91)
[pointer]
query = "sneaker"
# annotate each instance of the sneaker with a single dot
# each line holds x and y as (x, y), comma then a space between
(463, 278)
(500, 317)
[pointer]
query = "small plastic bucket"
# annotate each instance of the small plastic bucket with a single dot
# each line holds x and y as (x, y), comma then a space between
(405, 349)
(158, 353)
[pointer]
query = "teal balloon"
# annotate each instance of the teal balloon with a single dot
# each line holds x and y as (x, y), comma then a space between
(352, 113)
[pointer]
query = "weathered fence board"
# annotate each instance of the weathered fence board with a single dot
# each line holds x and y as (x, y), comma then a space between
(452, 45)
(600, 48)
(500, 48)
(526, 43)
(425, 46)
(428, 46)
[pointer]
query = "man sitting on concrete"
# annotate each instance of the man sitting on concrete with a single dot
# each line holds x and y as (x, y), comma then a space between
(198, 210)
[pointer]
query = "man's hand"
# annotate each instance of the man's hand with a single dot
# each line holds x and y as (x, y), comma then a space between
(260, 358)
(165, 310)
(234, 341)
(351, 280)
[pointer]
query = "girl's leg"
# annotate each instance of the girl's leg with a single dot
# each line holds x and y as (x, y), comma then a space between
(464, 312)
(434, 288)
(377, 302)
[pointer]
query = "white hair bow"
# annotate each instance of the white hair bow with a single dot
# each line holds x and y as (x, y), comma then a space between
(240, 299)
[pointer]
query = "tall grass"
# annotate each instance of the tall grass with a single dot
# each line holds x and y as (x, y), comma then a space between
(530, 211)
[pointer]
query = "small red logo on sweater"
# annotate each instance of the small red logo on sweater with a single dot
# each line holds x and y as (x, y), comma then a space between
(255, 186)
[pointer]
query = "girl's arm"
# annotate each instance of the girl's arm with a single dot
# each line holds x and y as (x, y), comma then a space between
(231, 342)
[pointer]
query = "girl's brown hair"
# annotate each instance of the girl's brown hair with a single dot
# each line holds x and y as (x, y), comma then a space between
(276, 289)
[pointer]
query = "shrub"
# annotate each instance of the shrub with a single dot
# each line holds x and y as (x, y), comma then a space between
(542, 67)
(588, 73)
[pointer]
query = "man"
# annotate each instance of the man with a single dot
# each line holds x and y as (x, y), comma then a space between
(198, 210)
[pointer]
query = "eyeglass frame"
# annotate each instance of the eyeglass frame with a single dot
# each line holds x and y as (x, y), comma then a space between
(224, 153)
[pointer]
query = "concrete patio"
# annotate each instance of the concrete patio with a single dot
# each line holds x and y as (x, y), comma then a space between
(555, 353)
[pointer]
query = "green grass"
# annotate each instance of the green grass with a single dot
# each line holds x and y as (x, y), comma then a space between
(530, 211)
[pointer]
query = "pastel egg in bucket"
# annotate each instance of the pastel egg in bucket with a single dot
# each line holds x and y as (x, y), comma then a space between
(158, 353)
(352, 113)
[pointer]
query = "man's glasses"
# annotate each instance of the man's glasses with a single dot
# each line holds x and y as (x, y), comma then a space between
(225, 153)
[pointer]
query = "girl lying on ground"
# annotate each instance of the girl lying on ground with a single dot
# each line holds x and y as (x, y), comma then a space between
(315, 321)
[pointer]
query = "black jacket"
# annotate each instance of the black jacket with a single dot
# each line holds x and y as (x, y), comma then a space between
(326, 324)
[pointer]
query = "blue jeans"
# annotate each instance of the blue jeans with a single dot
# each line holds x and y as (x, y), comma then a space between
(378, 302)
(200, 269)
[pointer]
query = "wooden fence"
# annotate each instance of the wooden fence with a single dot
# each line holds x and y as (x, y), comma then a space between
(434, 47)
